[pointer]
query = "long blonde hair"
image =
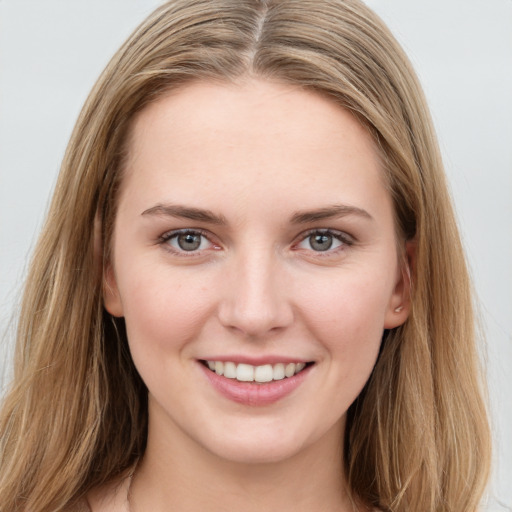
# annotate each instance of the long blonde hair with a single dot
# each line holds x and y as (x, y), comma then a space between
(417, 437)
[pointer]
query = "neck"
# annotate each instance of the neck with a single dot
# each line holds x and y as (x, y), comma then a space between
(178, 474)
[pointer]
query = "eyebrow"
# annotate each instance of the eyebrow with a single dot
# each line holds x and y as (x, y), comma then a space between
(185, 212)
(300, 217)
(337, 210)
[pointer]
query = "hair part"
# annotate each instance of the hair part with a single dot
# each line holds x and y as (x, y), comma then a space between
(417, 437)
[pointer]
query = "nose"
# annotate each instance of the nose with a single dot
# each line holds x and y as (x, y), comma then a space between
(256, 300)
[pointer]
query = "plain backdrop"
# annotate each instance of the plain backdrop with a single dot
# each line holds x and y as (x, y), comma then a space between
(51, 52)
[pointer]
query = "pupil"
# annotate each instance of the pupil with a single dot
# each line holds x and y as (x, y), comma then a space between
(189, 241)
(321, 242)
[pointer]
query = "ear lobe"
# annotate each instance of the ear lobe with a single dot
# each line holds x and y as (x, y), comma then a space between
(110, 292)
(111, 296)
(400, 302)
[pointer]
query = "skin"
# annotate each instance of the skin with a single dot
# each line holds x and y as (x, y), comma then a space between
(256, 155)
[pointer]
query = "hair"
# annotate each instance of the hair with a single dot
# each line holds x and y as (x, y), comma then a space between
(417, 437)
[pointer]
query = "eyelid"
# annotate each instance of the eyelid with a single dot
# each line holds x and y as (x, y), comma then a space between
(168, 235)
(343, 237)
(346, 239)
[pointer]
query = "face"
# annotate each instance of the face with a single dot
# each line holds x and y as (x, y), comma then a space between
(255, 263)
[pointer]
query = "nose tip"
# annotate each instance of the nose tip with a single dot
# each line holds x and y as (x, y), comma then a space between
(255, 302)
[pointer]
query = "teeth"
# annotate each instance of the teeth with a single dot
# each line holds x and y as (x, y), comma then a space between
(279, 371)
(264, 373)
(230, 370)
(249, 373)
(289, 370)
(245, 372)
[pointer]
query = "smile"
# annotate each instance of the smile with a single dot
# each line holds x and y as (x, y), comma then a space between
(248, 373)
(255, 385)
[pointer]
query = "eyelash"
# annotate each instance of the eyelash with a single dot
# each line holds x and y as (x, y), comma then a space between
(344, 239)
(170, 235)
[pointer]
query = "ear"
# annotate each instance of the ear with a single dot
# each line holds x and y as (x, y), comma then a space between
(111, 296)
(110, 292)
(399, 305)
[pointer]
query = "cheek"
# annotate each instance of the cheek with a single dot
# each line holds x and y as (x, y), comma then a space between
(163, 312)
(347, 317)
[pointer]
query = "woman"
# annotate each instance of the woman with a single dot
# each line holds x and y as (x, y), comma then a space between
(239, 295)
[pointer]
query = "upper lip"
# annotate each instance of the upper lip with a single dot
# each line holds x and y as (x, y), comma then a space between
(257, 361)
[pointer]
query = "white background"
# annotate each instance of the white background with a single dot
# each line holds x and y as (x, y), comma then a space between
(51, 52)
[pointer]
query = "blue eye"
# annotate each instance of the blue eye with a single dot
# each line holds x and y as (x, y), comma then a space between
(321, 241)
(186, 241)
(324, 241)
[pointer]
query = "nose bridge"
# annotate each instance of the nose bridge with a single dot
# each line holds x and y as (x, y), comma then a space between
(255, 300)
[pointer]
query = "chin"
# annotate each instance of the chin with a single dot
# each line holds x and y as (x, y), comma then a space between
(271, 443)
(256, 451)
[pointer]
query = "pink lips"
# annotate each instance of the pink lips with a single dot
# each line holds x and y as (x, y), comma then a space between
(254, 394)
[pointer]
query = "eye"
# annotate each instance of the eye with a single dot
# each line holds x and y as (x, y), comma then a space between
(187, 241)
(324, 241)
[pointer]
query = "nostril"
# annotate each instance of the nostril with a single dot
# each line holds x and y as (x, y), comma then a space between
(254, 322)
(254, 299)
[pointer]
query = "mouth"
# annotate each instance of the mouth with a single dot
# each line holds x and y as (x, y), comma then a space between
(261, 374)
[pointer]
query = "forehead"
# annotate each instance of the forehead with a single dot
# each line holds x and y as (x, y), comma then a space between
(255, 137)
(254, 108)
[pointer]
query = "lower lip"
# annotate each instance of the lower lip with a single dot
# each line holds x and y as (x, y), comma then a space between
(252, 393)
